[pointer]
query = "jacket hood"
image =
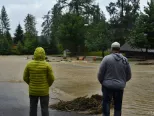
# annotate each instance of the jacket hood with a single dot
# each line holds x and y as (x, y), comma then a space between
(120, 57)
(39, 54)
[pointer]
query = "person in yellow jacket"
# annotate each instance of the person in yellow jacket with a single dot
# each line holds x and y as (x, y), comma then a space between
(39, 76)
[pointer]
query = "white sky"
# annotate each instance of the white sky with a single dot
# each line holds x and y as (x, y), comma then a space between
(18, 9)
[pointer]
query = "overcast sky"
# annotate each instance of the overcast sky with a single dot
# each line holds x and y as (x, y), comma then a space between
(18, 9)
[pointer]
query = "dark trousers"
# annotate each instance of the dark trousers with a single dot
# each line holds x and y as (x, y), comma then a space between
(44, 101)
(108, 95)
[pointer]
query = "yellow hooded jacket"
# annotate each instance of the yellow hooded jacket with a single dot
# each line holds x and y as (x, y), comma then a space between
(38, 74)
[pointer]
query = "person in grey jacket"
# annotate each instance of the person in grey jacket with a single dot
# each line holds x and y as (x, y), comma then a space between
(113, 74)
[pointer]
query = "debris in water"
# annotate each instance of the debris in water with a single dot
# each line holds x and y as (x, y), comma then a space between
(92, 105)
(145, 63)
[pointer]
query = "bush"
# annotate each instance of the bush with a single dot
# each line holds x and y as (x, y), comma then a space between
(15, 51)
(5, 47)
(20, 48)
(29, 45)
(60, 48)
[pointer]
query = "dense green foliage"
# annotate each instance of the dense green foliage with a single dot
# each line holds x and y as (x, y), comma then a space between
(81, 26)
(71, 32)
(5, 37)
(142, 35)
(18, 35)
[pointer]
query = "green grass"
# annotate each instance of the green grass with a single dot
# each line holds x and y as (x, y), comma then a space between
(99, 53)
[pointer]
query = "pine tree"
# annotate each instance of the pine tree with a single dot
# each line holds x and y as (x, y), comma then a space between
(50, 27)
(30, 36)
(18, 35)
(30, 25)
(46, 25)
(6, 39)
(5, 24)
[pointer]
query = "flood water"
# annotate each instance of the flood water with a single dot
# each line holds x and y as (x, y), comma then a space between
(77, 79)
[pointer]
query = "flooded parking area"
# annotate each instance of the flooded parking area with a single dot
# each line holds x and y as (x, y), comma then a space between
(77, 79)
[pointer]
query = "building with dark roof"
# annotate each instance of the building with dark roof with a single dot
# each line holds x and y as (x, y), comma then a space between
(135, 52)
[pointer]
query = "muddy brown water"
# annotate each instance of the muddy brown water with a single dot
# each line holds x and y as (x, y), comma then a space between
(76, 79)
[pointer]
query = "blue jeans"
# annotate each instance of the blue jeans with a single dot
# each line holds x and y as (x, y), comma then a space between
(44, 101)
(108, 95)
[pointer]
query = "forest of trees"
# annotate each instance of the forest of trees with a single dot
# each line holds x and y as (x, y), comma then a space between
(81, 26)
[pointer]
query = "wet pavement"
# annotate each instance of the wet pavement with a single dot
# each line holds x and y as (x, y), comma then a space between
(14, 101)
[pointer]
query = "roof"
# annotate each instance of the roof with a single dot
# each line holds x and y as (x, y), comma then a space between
(127, 47)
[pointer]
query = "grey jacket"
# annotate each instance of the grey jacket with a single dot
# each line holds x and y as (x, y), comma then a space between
(114, 71)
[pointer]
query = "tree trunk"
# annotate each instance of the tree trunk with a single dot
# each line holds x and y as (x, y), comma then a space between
(77, 7)
(103, 54)
(146, 57)
(122, 9)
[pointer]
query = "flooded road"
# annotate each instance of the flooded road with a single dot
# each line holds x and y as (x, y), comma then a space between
(76, 79)
(139, 93)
